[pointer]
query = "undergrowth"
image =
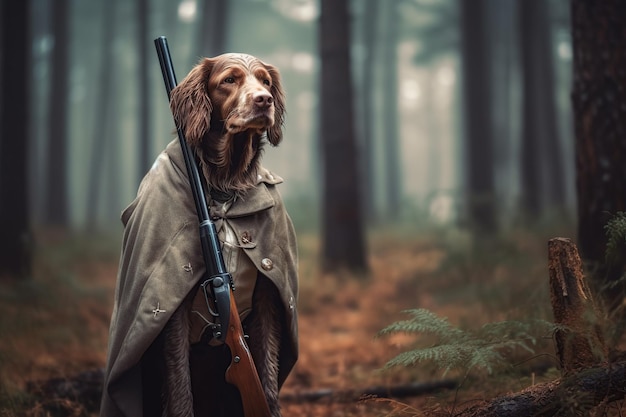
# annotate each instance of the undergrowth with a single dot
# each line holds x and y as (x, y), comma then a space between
(615, 259)
(454, 348)
(57, 323)
(495, 347)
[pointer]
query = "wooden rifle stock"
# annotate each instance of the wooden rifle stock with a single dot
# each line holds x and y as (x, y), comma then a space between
(242, 372)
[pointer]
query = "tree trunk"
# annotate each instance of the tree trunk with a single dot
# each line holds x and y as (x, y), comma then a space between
(57, 196)
(343, 236)
(580, 341)
(541, 152)
(477, 110)
(101, 138)
(393, 168)
(15, 234)
(367, 101)
(599, 100)
(144, 46)
(212, 27)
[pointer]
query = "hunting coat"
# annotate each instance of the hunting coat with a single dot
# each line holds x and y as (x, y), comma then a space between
(161, 264)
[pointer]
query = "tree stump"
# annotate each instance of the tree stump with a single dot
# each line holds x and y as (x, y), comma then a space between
(580, 338)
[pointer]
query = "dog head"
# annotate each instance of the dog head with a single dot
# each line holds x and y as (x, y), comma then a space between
(226, 106)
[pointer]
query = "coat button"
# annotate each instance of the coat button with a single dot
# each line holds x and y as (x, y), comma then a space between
(246, 238)
(267, 264)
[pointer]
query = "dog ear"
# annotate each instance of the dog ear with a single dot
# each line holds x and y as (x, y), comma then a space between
(275, 133)
(190, 102)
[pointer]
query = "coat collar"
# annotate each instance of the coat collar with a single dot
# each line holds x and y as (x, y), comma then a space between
(253, 201)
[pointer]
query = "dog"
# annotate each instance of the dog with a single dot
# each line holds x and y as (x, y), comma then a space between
(224, 106)
(229, 107)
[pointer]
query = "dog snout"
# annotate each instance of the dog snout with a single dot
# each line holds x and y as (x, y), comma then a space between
(262, 99)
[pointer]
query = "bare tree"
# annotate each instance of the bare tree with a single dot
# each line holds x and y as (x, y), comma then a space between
(542, 163)
(15, 74)
(143, 76)
(477, 110)
(102, 111)
(56, 204)
(212, 29)
(393, 183)
(369, 31)
(599, 100)
(343, 236)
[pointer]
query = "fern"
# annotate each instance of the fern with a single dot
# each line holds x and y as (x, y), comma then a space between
(460, 349)
(616, 237)
(615, 258)
(425, 321)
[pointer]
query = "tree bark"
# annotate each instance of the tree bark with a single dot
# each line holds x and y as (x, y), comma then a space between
(569, 396)
(15, 135)
(393, 162)
(599, 102)
(366, 100)
(57, 196)
(212, 30)
(541, 152)
(143, 77)
(343, 240)
(580, 342)
(477, 109)
(101, 144)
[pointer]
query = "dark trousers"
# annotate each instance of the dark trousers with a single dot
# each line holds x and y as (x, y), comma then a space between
(213, 396)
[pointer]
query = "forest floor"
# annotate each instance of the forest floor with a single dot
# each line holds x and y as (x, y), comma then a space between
(56, 324)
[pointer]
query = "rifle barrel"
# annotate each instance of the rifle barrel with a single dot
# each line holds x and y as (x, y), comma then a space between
(209, 240)
(242, 372)
(169, 77)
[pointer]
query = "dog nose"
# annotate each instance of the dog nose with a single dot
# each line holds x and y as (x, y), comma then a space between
(262, 98)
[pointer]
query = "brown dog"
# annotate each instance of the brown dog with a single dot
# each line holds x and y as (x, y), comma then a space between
(229, 107)
(225, 105)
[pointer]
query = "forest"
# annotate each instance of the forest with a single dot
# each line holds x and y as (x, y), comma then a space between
(453, 170)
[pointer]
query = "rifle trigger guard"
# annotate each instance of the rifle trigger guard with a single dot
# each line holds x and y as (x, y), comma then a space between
(206, 292)
(219, 288)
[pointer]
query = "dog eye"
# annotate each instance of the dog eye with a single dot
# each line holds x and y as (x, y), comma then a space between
(229, 80)
(267, 82)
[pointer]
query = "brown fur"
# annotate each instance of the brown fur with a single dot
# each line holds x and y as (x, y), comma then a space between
(228, 106)
(264, 329)
(177, 395)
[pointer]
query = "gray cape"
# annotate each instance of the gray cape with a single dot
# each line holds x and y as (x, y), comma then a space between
(161, 262)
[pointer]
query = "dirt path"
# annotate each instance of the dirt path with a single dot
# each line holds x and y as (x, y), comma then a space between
(339, 320)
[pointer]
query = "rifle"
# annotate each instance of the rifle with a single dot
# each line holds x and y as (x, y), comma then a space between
(218, 283)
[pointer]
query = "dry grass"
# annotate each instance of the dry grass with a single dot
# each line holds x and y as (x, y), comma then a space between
(56, 324)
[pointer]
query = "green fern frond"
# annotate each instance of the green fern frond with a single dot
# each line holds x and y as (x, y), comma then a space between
(487, 358)
(448, 356)
(425, 322)
(515, 330)
(460, 349)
